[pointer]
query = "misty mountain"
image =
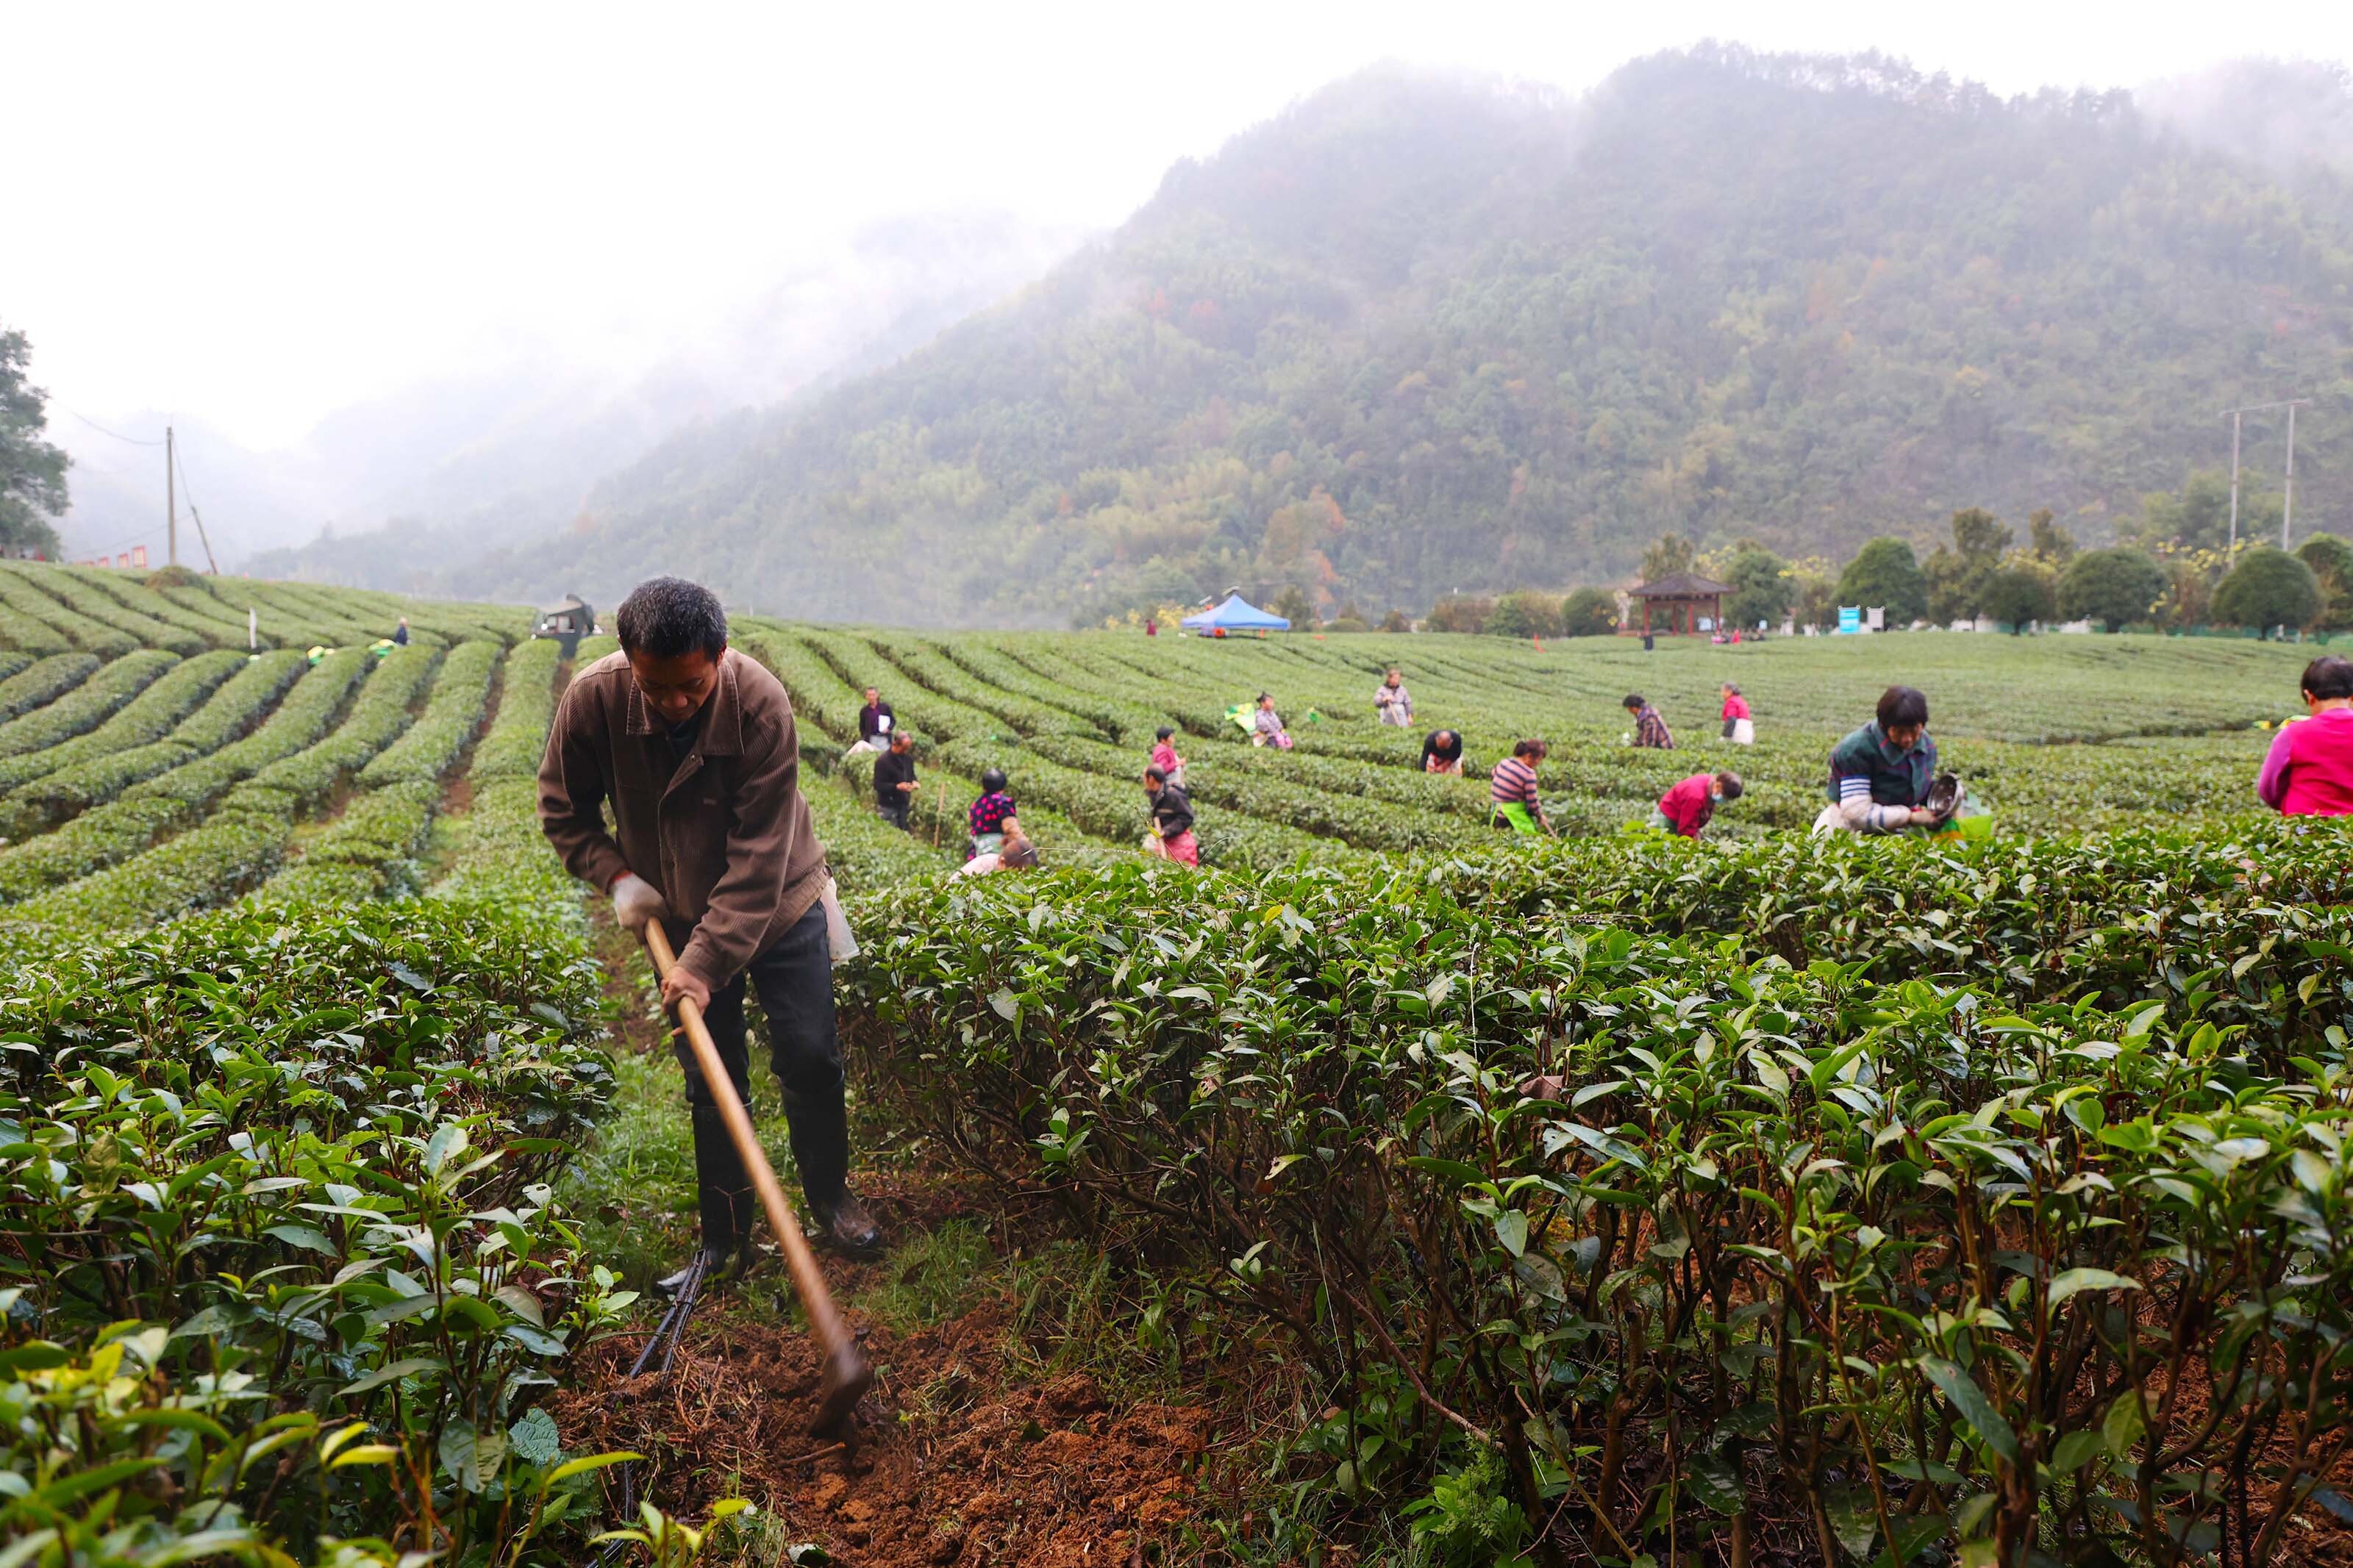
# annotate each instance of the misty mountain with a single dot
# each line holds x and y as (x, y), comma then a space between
(1420, 334)
(393, 491)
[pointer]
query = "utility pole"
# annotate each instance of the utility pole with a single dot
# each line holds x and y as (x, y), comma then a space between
(2233, 554)
(171, 497)
(2287, 508)
(2287, 495)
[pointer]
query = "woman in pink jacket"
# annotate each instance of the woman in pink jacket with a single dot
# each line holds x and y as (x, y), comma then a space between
(2309, 771)
(1738, 728)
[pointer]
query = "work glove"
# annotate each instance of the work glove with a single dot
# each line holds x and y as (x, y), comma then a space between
(636, 902)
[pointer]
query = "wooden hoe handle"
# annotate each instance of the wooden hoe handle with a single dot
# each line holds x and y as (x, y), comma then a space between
(846, 1375)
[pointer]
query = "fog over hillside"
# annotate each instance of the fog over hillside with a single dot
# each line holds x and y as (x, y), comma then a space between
(462, 464)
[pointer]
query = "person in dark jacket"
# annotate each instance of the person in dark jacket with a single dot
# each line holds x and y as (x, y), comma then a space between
(1880, 774)
(693, 746)
(1172, 819)
(1442, 752)
(400, 633)
(875, 721)
(894, 782)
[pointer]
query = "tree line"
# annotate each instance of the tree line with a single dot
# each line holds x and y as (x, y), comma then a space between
(2175, 569)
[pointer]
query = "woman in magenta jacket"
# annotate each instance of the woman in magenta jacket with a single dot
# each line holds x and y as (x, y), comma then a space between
(2309, 771)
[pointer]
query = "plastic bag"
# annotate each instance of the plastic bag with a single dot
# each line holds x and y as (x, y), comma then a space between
(839, 938)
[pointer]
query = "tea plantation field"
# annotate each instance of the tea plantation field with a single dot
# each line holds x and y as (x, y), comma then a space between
(1597, 1199)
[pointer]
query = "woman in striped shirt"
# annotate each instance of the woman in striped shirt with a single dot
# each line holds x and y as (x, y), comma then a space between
(1513, 788)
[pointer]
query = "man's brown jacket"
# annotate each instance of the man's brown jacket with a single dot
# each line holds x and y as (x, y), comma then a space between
(726, 838)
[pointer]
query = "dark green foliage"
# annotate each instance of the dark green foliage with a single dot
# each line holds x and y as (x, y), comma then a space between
(1668, 554)
(1885, 574)
(1900, 1176)
(2331, 560)
(2113, 587)
(2048, 542)
(1459, 612)
(1763, 591)
(2268, 588)
(1525, 614)
(1957, 577)
(1588, 613)
(2017, 594)
(308, 1157)
(2199, 517)
(32, 472)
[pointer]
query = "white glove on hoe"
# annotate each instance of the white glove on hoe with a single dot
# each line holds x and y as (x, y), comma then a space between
(636, 902)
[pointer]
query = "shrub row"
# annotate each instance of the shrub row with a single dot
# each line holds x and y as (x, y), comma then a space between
(369, 851)
(1113, 809)
(2242, 920)
(1273, 796)
(285, 1280)
(210, 864)
(23, 635)
(825, 709)
(232, 710)
(215, 624)
(31, 607)
(88, 705)
(1638, 1242)
(44, 681)
(380, 716)
(452, 718)
(73, 589)
(113, 833)
(944, 679)
(146, 718)
(1131, 723)
(512, 747)
(927, 713)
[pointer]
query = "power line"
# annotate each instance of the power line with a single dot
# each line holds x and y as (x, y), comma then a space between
(131, 440)
(201, 535)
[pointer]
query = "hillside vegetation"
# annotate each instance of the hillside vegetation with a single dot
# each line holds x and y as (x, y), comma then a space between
(1418, 335)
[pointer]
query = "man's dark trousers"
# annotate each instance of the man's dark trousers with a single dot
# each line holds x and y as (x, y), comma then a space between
(895, 811)
(795, 979)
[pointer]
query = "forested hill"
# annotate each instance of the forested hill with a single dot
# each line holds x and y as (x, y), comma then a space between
(1418, 335)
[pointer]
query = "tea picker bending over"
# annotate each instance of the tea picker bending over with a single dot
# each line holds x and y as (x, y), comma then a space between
(1884, 776)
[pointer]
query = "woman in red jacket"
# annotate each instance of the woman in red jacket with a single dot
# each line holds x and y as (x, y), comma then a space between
(1685, 809)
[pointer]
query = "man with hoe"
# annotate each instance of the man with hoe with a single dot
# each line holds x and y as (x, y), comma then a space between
(692, 745)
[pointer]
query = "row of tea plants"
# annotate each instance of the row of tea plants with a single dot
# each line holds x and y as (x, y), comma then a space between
(2006, 1219)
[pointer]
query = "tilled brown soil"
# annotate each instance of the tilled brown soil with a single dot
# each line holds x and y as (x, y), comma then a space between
(950, 1459)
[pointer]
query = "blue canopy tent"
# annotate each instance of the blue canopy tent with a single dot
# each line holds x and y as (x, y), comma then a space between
(1236, 615)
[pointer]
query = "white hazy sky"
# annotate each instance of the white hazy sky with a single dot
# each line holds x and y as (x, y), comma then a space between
(251, 214)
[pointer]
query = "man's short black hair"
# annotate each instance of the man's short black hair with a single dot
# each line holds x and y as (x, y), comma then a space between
(1729, 782)
(1165, 731)
(2330, 675)
(665, 617)
(1900, 707)
(1156, 771)
(1634, 699)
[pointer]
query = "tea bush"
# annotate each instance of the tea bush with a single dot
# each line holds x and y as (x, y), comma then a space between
(147, 717)
(1683, 1233)
(43, 681)
(86, 706)
(283, 1267)
(239, 704)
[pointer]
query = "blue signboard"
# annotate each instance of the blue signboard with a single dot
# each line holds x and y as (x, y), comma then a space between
(1849, 620)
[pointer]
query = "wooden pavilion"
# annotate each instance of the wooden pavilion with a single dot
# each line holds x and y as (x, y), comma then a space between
(1681, 599)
